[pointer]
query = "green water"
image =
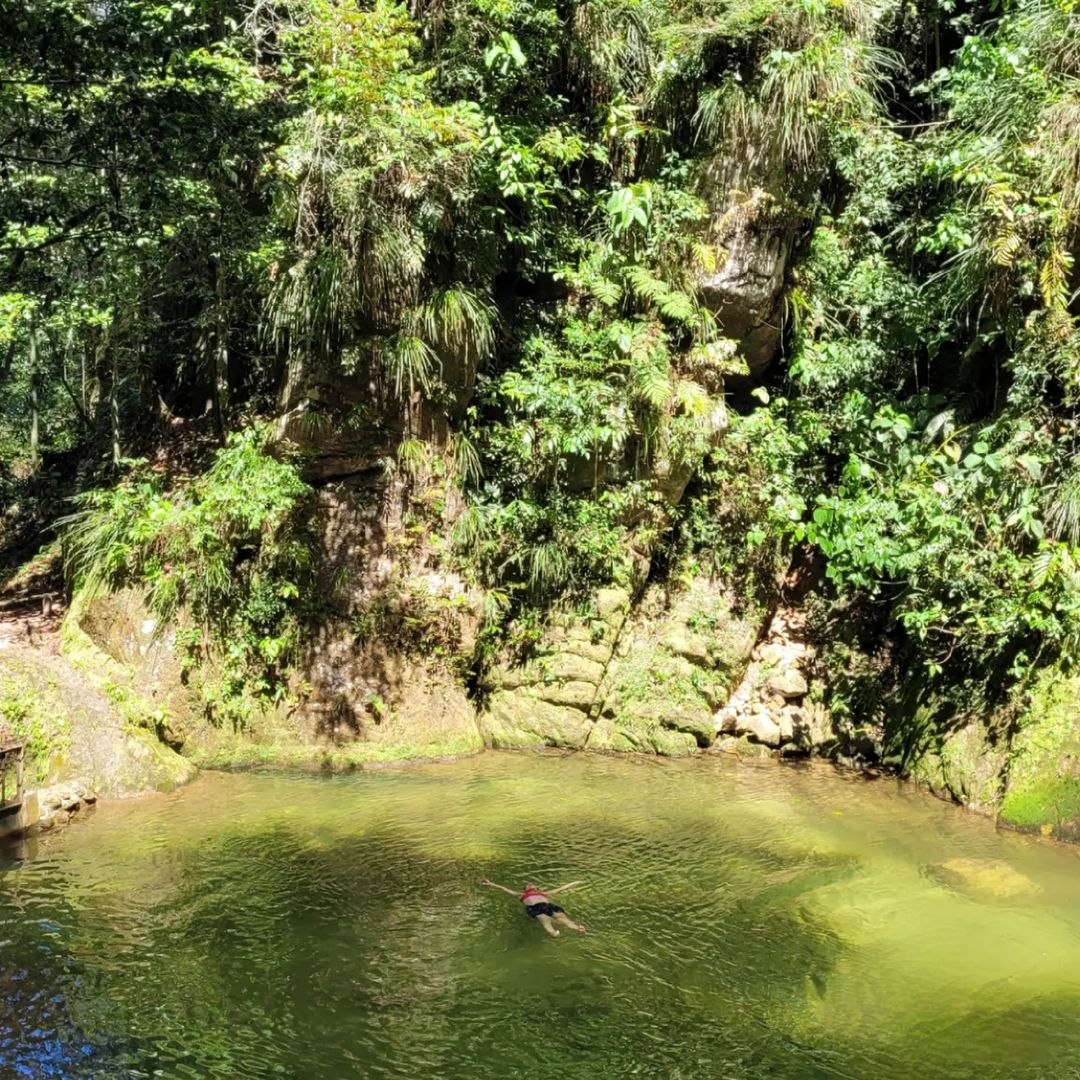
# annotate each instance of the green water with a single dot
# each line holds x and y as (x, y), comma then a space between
(744, 921)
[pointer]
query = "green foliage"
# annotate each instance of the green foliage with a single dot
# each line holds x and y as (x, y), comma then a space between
(226, 548)
(25, 714)
(931, 370)
(495, 217)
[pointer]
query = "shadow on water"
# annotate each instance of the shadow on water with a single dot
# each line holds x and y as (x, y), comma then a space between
(272, 950)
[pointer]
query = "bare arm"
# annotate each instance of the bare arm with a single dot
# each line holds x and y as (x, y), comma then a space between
(563, 888)
(501, 888)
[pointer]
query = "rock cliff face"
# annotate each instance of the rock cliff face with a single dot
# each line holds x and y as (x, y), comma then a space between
(1042, 789)
(651, 668)
(755, 239)
(646, 677)
(381, 673)
(86, 728)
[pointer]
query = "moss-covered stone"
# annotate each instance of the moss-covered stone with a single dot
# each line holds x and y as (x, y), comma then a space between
(31, 710)
(628, 734)
(1043, 789)
(517, 719)
(989, 879)
(678, 661)
(114, 633)
(964, 765)
(84, 722)
(385, 707)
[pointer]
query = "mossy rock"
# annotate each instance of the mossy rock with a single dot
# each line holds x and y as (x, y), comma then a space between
(693, 721)
(516, 719)
(1043, 790)
(964, 765)
(752, 751)
(987, 879)
(629, 735)
(81, 723)
(118, 629)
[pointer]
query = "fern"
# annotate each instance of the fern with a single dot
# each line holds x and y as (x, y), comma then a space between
(679, 307)
(691, 399)
(645, 285)
(1005, 246)
(606, 291)
(706, 256)
(653, 386)
(1054, 278)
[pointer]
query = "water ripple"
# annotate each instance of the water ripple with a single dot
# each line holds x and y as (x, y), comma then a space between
(743, 922)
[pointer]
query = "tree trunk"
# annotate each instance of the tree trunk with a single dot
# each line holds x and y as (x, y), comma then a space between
(114, 406)
(221, 353)
(84, 403)
(35, 435)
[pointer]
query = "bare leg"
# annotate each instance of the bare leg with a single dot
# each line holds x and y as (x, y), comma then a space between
(545, 922)
(562, 917)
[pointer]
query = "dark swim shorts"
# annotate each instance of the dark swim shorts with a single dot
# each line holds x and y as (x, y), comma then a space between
(542, 909)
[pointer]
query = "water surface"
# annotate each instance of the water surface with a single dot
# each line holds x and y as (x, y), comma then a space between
(744, 921)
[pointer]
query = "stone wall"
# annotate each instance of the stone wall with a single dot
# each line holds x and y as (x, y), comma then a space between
(645, 678)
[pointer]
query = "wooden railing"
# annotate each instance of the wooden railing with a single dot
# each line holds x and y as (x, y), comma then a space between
(11, 773)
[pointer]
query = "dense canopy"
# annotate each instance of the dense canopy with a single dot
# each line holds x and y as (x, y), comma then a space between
(511, 225)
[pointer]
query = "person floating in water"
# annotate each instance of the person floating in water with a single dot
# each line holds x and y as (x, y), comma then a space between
(539, 907)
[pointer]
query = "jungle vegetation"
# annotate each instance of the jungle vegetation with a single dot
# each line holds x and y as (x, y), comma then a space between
(204, 199)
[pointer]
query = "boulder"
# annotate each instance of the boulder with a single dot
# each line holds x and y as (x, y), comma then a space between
(745, 290)
(992, 879)
(579, 695)
(726, 720)
(817, 729)
(693, 720)
(627, 735)
(747, 749)
(772, 652)
(761, 727)
(683, 642)
(788, 684)
(786, 723)
(516, 719)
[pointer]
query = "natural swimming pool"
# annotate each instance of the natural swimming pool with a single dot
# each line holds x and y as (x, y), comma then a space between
(745, 920)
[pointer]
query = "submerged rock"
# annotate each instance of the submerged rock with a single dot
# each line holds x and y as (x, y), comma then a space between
(988, 878)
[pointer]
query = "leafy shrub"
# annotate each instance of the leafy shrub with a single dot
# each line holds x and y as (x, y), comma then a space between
(226, 548)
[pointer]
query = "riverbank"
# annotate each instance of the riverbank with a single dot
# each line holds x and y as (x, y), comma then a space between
(108, 710)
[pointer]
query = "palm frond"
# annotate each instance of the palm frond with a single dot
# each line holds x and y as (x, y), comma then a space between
(467, 460)
(1063, 509)
(410, 364)
(457, 319)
